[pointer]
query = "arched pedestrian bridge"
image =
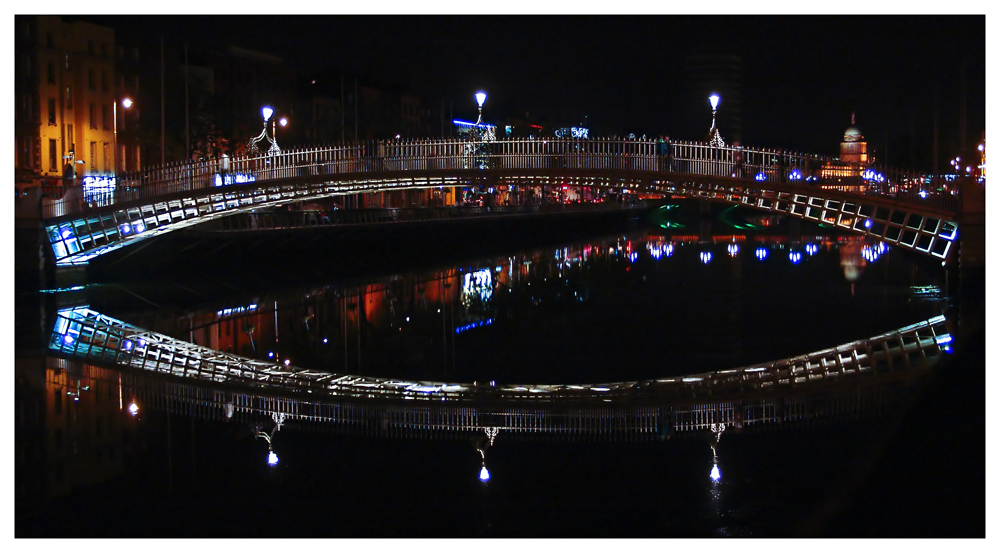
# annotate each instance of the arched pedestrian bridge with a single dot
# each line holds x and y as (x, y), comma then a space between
(893, 207)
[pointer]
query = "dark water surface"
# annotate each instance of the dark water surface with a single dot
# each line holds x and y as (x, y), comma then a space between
(605, 303)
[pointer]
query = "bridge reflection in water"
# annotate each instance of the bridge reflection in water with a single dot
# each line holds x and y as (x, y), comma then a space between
(709, 419)
(848, 380)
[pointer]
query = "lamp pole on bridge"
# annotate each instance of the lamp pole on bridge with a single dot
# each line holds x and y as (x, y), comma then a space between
(480, 99)
(267, 112)
(714, 138)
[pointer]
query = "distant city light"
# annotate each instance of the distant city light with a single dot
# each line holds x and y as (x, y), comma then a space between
(133, 409)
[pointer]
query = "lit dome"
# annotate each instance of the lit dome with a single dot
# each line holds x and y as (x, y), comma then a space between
(852, 134)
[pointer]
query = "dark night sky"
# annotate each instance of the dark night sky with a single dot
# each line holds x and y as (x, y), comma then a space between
(803, 76)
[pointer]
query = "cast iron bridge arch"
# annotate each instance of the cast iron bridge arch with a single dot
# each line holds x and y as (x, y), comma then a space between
(895, 208)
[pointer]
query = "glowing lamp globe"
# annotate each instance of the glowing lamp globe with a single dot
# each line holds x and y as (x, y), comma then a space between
(267, 112)
(126, 103)
(133, 409)
(484, 475)
(480, 98)
(714, 100)
(715, 474)
(272, 458)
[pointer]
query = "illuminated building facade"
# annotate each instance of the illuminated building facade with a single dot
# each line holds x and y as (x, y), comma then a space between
(65, 91)
(852, 161)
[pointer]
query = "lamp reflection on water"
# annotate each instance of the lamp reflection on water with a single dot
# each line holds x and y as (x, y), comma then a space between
(279, 419)
(715, 474)
(481, 445)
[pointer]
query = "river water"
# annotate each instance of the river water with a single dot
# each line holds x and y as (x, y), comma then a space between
(670, 294)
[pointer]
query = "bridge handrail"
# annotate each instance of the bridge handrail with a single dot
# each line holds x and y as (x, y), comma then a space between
(673, 159)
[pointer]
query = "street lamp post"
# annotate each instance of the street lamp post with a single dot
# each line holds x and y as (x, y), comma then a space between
(267, 112)
(480, 99)
(714, 138)
(481, 133)
(126, 103)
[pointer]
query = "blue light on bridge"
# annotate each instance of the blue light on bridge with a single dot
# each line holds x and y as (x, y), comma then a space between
(760, 177)
(233, 178)
(795, 257)
(795, 175)
(137, 227)
(706, 257)
(99, 190)
(733, 249)
(761, 253)
(811, 249)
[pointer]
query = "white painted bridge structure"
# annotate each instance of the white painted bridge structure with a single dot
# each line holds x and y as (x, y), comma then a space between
(896, 208)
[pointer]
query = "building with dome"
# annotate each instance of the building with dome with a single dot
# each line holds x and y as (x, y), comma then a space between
(844, 173)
